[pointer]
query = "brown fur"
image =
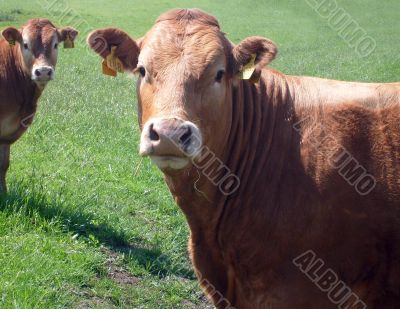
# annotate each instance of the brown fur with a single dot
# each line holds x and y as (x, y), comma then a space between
(18, 93)
(282, 138)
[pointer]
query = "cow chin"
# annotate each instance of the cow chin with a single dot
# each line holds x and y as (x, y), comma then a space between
(40, 84)
(168, 163)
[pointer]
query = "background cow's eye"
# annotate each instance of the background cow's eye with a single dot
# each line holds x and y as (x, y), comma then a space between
(26, 46)
(56, 46)
(219, 76)
(142, 71)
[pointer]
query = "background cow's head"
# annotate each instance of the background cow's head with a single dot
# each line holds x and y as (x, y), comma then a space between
(38, 40)
(186, 69)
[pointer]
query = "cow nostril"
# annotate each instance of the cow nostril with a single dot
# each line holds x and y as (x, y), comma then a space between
(37, 72)
(50, 73)
(185, 138)
(153, 134)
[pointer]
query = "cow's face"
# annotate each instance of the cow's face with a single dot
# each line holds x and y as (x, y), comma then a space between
(38, 41)
(186, 70)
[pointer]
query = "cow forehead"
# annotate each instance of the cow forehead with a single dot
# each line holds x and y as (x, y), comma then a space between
(39, 31)
(196, 46)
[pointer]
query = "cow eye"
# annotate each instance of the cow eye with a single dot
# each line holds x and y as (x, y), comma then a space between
(56, 46)
(26, 46)
(219, 76)
(142, 71)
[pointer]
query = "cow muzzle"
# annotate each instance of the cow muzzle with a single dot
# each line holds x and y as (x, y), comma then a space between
(42, 74)
(170, 143)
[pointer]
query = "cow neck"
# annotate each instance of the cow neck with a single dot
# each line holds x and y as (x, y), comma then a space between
(21, 90)
(28, 92)
(258, 152)
(261, 130)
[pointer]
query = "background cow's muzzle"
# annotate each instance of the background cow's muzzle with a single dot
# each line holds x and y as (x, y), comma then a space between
(170, 142)
(42, 73)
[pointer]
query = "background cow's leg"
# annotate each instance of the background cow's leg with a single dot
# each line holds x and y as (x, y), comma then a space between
(4, 163)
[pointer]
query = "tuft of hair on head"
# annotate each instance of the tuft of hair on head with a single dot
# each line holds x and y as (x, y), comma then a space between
(189, 15)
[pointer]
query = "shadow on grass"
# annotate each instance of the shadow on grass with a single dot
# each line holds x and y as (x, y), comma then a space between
(29, 202)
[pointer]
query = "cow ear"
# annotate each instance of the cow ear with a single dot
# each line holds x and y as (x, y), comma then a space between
(68, 33)
(102, 41)
(12, 35)
(251, 56)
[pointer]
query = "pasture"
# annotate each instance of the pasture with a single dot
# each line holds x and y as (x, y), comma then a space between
(87, 223)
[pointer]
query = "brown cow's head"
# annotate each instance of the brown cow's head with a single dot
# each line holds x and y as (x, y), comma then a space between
(38, 40)
(187, 69)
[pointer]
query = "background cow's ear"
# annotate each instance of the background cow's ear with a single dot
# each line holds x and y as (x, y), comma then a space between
(12, 35)
(68, 32)
(253, 54)
(68, 35)
(127, 49)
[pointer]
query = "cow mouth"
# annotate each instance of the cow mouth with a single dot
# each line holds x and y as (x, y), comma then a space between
(40, 84)
(170, 162)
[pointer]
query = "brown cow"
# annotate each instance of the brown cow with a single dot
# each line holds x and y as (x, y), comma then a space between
(315, 219)
(27, 62)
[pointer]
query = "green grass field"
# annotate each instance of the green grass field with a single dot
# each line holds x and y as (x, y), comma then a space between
(87, 223)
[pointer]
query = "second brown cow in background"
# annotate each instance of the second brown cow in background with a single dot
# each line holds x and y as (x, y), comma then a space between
(28, 58)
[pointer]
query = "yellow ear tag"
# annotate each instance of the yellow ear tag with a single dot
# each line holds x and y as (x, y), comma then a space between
(11, 42)
(248, 69)
(69, 42)
(106, 70)
(113, 62)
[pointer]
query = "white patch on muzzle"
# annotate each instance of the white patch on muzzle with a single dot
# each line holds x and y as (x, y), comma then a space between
(170, 147)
